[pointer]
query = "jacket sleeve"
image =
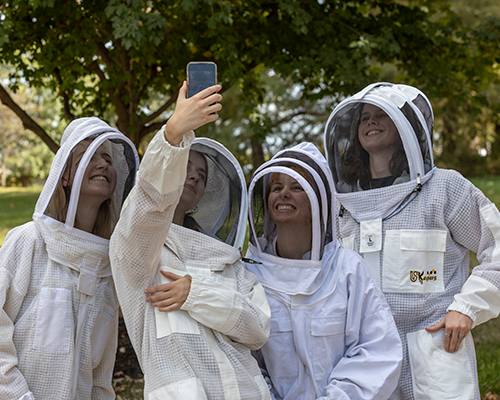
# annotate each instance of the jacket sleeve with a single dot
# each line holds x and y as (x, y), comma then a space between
(241, 313)
(474, 222)
(371, 338)
(15, 270)
(147, 213)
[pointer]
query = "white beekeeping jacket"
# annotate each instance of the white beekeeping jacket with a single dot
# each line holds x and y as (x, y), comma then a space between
(59, 321)
(331, 327)
(415, 234)
(202, 350)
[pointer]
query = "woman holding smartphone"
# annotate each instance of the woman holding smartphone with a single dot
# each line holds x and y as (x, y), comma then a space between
(181, 230)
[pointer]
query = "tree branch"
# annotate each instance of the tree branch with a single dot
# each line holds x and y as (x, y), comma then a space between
(27, 121)
(64, 95)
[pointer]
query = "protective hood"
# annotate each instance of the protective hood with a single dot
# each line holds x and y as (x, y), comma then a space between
(411, 163)
(222, 211)
(292, 276)
(124, 159)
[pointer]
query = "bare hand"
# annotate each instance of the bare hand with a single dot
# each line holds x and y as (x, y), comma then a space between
(169, 296)
(456, 327)
(191, 113)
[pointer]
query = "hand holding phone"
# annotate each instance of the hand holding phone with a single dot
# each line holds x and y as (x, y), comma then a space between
(200, 75)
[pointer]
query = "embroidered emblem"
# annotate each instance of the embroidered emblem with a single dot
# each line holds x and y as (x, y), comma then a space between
(370, 240)
(420, 277)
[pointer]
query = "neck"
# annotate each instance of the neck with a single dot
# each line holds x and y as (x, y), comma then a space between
(379, 165)
(179, 214)
(86, 216)
(291, 245)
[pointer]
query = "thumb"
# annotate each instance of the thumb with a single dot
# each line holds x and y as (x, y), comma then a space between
(436, 327)
(182, 91)
(170, 275)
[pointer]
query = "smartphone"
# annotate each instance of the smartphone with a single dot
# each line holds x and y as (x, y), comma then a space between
(200, 75)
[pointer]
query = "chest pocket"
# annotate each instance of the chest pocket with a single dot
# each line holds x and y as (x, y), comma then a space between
(54, 320)
(328, 343)
(413, 261)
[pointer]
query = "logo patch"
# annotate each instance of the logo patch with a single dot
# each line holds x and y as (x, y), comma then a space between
(370, 240)
(421, 276)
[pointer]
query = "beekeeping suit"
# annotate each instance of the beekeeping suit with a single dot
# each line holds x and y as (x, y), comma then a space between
(59, 321)
(202, 350)
(332, 332)
(415, 235)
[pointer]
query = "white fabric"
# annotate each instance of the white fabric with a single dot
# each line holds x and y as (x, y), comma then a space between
(327, 345)
(59, 318)
(424, 263)
(201, 351)
(331, 327)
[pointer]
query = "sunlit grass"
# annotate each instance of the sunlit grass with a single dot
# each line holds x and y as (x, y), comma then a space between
(16, 207)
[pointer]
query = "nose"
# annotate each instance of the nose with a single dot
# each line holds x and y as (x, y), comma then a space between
(102, 163)
(192, 175)
(372, 120)
(284, 193)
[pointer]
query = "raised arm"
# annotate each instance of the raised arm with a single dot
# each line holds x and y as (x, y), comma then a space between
(147, 213)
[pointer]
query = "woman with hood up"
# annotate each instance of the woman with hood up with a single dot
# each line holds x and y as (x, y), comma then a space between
(414, 224)
(181, 232)
(59, 319)
(332, 333)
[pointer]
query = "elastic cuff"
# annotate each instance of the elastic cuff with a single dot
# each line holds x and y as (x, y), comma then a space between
(462, 308)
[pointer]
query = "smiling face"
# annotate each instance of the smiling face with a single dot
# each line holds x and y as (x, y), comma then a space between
(99, 179)
(196, 179)
(376, 132)
(287, 202)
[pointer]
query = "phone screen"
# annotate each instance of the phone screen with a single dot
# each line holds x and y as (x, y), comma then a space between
(200, 76)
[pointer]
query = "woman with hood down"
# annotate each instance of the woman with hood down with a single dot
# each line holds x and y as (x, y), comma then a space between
(59, 319)
(332, 332)
(181, 231)
(414, 224)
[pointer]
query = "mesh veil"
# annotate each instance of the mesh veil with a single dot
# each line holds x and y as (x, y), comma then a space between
(408, 108)
(316, 182)
(123, 155)
(221, 213)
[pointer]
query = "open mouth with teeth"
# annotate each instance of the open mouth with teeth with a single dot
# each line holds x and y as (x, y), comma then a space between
(285, 207)
(99, 178)
(373, 132)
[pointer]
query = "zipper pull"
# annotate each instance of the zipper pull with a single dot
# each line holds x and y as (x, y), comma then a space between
(250, 261)
(341, 212)
(419, 185)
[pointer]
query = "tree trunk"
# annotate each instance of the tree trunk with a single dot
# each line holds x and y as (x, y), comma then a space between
(257, 153)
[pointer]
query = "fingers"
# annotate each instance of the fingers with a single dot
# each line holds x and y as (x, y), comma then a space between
(170, 275)
(436, 327)
(160, 288)
(205, 93)
(452, 341)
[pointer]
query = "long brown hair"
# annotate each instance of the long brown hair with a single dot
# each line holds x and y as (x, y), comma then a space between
(58, 208)
(356, 160)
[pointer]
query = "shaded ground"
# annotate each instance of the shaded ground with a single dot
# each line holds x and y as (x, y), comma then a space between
(126, 361)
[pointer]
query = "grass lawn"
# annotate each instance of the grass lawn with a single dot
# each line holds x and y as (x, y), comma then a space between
(17, 205)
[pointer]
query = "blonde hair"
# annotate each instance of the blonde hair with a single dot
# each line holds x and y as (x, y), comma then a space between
(58, 208)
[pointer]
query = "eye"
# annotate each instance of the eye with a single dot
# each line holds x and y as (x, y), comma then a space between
(297, 188)
(202, 177)
(276, 188)
(364, 119)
